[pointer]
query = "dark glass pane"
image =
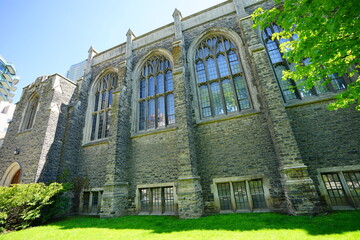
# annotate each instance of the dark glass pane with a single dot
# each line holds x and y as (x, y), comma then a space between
(95, 202)
(151, 113)
(96, 105)
(274, 52)
(151, 86)
(107, 123)
(169, 199)
(110, 98)
(211, 69)
(257, 193)
(86, 201)
(216, 99)
(156, 200)
(101, 122)
(142, 88)
(224, 196)
(169, 82)
(337, 82)
(142, 113)
(103, 100)
(240, 194)
(222, 64)
(160, 112)
(335, 189)
(205, 101)
(160, 83)
(144, 200)
(170, 109)
(229, 96)
(285, 86)
(93, 128)
(200, 70)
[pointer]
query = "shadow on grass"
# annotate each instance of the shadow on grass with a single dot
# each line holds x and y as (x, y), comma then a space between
(335, 223)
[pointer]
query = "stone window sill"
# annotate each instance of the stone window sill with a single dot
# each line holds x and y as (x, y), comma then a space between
(168, 128)
(96, 142)
(230, 116)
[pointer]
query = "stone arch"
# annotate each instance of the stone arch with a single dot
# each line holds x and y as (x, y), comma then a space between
(12, 175)
(91, 100)
(243, 57)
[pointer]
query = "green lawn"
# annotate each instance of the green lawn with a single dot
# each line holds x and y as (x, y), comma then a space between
(339, 225)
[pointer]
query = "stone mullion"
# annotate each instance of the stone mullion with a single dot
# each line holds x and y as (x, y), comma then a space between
(299, 189)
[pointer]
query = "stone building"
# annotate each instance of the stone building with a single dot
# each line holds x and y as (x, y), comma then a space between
(188, 119)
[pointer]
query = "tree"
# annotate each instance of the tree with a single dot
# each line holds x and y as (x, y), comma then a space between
(328, 36)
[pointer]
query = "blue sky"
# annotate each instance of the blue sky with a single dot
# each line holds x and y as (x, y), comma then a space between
(43, 37)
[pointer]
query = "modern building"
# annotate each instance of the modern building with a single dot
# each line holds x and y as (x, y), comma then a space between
(8, 80)
(188, 119)
(76, 71)
(6, 112)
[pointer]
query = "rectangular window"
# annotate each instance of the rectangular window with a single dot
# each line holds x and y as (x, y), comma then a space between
(241, 195)
(157, 200)
(343, 188)
(91, 202)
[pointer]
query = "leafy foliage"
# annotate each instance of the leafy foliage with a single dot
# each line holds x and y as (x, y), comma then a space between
(327, 34)
(22, 204)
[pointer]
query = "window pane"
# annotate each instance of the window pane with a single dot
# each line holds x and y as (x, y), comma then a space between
(200, 70)
(169, 82)
(211, 69)
(95, 202)
(224, 196)
(205, 101)
(142, 110)
(222, 66)
(234, 63)
(335, 189)
(110, 98)
(337, 82)
(151, 86)
(160, 83)
(229, 96)
(151, 113)
(241, 92)
(107, 123)
(160, 112)
(170, 108)
(216, 99)
(93, 128)
(156, 200)
(353, 183)
(103, 100)
(285, 86)
(274, 52)
(144, 200)
(169, 199)
(142, 88)
(96, 101)
(101, 122)
(257, 193)
(240, 194)
(86, 201)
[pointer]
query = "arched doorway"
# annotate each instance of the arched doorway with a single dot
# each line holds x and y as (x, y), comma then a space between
(12, 175)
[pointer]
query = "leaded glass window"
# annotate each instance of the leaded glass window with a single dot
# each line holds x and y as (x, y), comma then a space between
(157, 200)
(156, 91)
(241, 195)
(289, 88)
(219, 77)
(101, 111)
(343, 188)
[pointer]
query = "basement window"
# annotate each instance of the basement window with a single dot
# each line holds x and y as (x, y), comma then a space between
(91, 202)
(157, 200)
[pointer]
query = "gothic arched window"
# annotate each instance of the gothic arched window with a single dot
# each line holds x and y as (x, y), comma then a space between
(29, 116)
(156, 94)
(220, 78)
(101, 110)
(289, 88)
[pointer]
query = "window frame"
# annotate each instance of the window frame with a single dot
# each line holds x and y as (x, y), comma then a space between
(298, 93)
(246, 179)
(88, 128)
(30, 113)
(340, 171)
(150, 187)
(90, 207)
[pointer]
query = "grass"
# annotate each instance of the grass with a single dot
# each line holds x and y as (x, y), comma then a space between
(339, 225)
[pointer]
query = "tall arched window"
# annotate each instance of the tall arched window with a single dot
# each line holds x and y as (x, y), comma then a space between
(220, 78)
(30, 113)
(289, 89)
(156, 97)
(101, 111)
